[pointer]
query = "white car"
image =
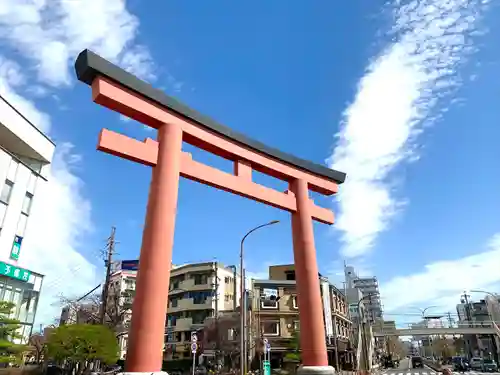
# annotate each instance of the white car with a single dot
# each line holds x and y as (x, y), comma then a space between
(476, 363)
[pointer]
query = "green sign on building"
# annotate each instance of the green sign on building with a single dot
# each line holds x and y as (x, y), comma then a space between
(14, 272)
(267, 367)
(16, 248)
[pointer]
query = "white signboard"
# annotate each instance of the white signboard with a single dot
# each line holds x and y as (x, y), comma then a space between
(325, 288)
(267, 293)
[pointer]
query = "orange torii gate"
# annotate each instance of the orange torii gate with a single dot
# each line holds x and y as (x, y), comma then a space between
(122, 92)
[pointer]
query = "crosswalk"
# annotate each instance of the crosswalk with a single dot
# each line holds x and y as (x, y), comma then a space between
(396, 372)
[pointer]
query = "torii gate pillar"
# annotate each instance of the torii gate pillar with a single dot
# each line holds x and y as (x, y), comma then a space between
(148, 317)
(118, 90)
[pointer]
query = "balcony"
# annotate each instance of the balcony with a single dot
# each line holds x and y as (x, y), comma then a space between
(190, 285)
(189, 304)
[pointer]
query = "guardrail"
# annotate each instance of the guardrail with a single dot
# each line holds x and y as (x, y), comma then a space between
(487, 327)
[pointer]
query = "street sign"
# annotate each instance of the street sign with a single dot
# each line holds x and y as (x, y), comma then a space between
(266, 367)
(16, 248)
(194, 347)
(194, 338)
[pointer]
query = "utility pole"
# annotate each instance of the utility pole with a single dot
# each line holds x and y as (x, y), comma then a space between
(467, 308)
(450, 320)
(468, 316)
(108, 262)
(217, 333)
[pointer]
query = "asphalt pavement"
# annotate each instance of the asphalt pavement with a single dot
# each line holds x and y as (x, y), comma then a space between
(405, 369)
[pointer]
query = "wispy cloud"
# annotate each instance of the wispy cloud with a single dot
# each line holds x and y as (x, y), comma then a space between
(51, 33)
(45, 37)
(398, 96)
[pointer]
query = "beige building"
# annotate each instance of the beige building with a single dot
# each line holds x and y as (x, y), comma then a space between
(197, 292)
(277, 318)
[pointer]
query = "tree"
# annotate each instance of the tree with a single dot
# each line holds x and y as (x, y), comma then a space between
(86, 310)
(80, 344)
(443, 347)
(10, 352)
(222, 334)
(37, 343)
(459, 344)
(294, 345)
(396, 347)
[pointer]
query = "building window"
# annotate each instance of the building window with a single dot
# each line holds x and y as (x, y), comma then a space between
(269, 303)
(296, 325)
(3, 210)
(200, 279)
(271, 328)
(21, 225)
(174, 302)
(28, 198)
(200, 297)
(269, 298)
(294, 301)
(6, 191)
(11, 174)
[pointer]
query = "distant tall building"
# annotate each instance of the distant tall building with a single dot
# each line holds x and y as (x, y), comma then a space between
(368, 286)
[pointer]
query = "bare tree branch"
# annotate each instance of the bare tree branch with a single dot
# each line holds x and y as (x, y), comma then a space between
(117, 314)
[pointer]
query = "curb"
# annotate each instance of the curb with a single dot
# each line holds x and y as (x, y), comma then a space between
(435, 367)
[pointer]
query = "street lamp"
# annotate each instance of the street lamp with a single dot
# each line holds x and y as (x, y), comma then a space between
(422, 311)
(243, 352)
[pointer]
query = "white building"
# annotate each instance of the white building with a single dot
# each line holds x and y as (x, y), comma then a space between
(25, 155)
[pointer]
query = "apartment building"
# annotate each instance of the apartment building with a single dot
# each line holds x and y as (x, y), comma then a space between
(25, 156)
(197, 292)
(275, 314)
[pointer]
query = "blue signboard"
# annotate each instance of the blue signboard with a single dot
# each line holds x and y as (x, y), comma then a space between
(130, 265)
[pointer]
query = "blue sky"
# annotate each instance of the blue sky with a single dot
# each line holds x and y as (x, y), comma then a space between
(402, 96)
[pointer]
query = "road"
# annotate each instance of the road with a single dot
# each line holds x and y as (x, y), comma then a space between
(405, 369)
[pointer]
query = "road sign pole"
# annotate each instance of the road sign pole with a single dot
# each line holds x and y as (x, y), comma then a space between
(194, 348)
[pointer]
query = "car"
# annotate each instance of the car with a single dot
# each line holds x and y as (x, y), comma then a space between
(489, 365)
(417, 362)
(476, 363)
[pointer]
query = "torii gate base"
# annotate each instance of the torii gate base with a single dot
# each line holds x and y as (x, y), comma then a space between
(124, 93)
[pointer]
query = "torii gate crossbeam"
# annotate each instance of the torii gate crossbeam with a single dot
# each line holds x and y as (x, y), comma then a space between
(120, 91)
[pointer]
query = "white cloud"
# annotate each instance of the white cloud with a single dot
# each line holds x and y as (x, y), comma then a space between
(60, 217)
(12, 78)
(441, 283)
(396, 98)
(51, 33)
